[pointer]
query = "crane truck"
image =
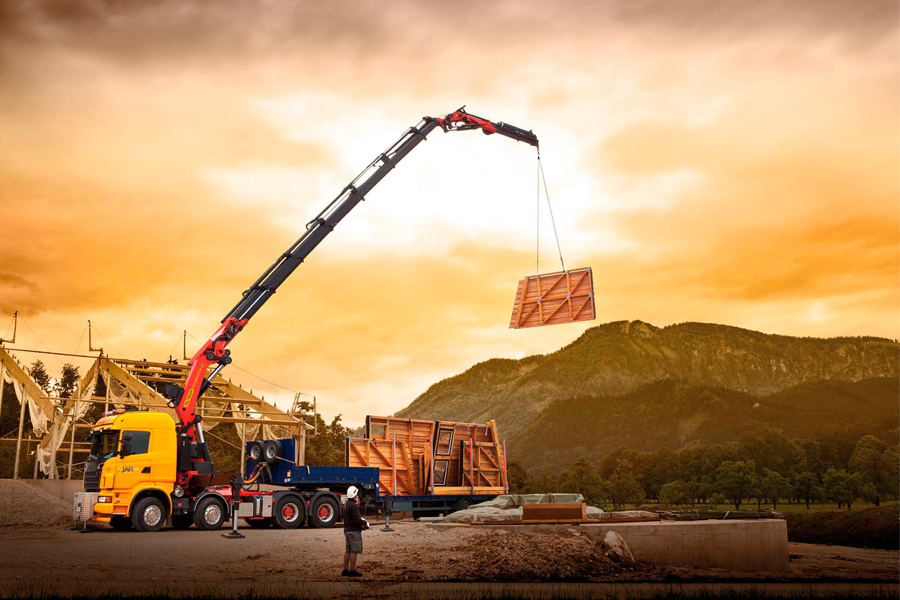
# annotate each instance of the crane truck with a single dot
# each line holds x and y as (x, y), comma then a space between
(145, 468)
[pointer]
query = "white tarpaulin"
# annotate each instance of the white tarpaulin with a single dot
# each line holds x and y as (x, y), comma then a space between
(48, 448)
(39, 420)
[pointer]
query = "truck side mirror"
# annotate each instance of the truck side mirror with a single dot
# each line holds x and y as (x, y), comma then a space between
(126, 445)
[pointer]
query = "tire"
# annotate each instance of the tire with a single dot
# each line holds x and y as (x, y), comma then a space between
(210, 513)
(182, 521)
(323, 512)
(272, 451)
(461, 504)
(121, 523)
(255, 452)
(289, 512)
(149, 514)
(259, 523)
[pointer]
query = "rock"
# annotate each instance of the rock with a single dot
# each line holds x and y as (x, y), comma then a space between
(617, 549)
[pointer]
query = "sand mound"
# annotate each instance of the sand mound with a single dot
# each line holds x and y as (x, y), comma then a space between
(536, 556)
(24, 506)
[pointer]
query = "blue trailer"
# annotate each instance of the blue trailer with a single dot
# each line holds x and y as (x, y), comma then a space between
(279, 492)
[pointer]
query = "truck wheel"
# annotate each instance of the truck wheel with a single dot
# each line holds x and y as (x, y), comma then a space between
(182, 521)
(120, 523)
(324, 512)
(259, 523)
(289, 512)
(148, 514)
(210, 513)
(461, 504)
(272, 451)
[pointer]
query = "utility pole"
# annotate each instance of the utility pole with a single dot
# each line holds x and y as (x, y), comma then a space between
(90, 343)
(19, 438)
(15, 326)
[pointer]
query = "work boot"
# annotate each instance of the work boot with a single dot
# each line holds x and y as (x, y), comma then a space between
(354, 574)
(345, 573)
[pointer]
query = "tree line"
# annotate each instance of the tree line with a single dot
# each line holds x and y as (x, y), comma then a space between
(762, 467)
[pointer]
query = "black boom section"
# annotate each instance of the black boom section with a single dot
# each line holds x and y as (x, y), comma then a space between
(325, 222)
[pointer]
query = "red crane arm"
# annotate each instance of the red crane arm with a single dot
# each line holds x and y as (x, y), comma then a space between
(214, 351)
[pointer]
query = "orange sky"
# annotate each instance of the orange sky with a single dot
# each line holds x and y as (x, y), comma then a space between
(710, 161)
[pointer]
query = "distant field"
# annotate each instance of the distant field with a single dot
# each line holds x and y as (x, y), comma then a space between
(829, 507)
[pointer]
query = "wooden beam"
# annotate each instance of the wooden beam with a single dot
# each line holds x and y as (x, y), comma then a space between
(146, 394)
(249, 421)
(31, 388)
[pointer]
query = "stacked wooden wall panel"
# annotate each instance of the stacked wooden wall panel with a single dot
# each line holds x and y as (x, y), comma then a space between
(460, 457)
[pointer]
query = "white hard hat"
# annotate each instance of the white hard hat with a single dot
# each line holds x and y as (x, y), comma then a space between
(352, 492)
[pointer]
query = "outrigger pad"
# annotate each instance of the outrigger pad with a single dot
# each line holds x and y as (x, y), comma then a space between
(553, 298)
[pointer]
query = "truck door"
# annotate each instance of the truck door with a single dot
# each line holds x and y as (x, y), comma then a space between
(134, 466)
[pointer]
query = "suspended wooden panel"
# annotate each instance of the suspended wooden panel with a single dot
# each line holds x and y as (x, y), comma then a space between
(553, 298)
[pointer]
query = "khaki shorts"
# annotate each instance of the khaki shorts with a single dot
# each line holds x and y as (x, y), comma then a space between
(354, 541)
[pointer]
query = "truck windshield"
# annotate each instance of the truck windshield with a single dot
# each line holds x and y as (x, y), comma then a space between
(104, 445)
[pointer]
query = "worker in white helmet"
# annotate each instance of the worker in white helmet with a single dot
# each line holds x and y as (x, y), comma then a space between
(354, 525)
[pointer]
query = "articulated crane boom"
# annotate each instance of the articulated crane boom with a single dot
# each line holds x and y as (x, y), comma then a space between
(215, 352)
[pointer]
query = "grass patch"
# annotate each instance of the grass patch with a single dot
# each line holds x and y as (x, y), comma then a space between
(877, 527)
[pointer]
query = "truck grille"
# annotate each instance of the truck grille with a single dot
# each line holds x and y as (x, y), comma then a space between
(92, 476)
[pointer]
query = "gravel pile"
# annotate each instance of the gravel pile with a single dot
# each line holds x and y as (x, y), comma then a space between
(24, 506)
(536, 556)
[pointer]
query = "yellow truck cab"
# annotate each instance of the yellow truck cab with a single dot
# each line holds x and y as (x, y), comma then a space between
(130, 474)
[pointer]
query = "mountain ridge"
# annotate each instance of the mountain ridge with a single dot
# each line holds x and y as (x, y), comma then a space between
(619, 357)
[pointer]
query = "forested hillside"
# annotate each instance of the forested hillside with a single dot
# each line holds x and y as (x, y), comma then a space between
(672, 414)
(718, 369)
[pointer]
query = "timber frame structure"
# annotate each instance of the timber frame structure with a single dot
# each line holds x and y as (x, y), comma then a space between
(138, 383)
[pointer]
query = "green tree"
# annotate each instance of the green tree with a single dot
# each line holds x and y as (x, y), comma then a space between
(651, 469)
(736, 480)
(672, 493)
(889, 468)
(545, 482)
(843, 487)
(806, 487)
(622, 488)
(68, 381)
(774, 486)
(38, 372)
(517, 477)
(581, 479)
(328, 447)
(769, 449)
(867, 461)
(610, 463)
(810, 456)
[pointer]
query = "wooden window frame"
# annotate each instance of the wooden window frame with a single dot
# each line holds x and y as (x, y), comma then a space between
(443, 481)
(449, 443)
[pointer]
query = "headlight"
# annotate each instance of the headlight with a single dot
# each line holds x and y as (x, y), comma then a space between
(104, 499)
(178, 492)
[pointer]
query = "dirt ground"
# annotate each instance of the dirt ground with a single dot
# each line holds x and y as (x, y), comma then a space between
(414, 552)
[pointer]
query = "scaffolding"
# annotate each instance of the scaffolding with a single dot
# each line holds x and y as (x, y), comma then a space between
(134, 385)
